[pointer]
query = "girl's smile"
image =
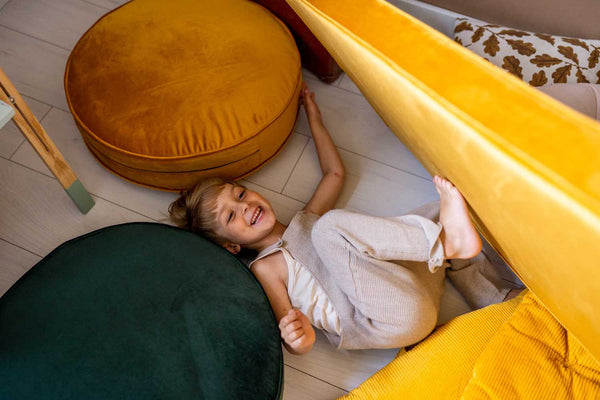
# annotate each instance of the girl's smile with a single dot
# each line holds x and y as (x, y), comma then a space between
(257, 216)
(244, 217)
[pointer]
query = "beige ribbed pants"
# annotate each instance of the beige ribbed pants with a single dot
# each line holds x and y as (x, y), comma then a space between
(391, 269)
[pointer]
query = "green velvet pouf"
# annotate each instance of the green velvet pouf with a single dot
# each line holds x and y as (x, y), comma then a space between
(138, 311)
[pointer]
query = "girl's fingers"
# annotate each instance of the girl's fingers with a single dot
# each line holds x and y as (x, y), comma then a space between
(298, 342)
(292, 326)
(292, 336)
(297, 338)
(291, 316)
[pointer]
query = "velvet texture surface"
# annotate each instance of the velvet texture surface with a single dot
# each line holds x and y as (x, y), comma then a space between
(314, 56)
(528, 166)
(166, 93)
(139, 311)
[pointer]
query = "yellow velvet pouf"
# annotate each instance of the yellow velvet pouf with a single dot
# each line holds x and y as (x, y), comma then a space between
(168, 92)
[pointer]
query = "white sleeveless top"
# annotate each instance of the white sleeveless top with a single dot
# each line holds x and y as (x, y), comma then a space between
(305, 293)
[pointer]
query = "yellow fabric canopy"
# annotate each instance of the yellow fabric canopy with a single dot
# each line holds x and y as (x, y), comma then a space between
(528, 166)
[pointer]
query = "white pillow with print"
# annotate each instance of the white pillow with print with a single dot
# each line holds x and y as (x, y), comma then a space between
(536, 58)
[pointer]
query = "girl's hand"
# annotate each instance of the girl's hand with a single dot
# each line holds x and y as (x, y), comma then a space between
(297, 332)
(308, 99)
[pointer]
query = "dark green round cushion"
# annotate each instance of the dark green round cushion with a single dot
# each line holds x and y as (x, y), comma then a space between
(138, 311)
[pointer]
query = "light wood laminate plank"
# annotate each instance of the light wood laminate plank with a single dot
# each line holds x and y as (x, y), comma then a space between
(36, 214)
(107, 4)
(275, 173)
(11, 137)
(97, 180)
(347, 84)
(60, 22)
(35, 68)
(355, 126)
(371, 187)
(300, 386)
(342, 368)
(14, 262)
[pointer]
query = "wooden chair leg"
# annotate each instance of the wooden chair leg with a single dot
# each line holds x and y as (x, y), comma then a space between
(41, 142)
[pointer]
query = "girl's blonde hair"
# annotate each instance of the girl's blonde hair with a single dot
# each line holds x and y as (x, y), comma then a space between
(194, 209)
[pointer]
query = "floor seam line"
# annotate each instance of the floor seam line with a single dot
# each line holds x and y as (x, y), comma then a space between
(36, 38)
(20, 247)
(294, 167)
(319, 379)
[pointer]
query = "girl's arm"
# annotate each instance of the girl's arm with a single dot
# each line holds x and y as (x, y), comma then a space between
(330, 186)
(296, 331)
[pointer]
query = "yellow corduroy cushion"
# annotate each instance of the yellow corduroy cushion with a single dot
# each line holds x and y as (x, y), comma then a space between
(167, 92)
(441, 365)
(534, 357)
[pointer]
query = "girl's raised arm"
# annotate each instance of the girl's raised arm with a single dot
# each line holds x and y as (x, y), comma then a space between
(330, 186)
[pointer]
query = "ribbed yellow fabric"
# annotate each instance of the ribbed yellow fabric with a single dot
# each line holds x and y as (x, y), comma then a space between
(439, 367)
(533, 357)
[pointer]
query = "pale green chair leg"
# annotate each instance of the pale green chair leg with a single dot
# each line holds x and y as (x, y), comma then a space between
(35, 134)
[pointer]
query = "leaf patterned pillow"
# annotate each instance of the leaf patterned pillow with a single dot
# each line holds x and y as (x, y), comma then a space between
(536, 58)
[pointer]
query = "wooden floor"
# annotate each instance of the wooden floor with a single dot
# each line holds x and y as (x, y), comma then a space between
(36, 215)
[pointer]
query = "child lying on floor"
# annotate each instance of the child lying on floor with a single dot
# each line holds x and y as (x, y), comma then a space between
(368, 282)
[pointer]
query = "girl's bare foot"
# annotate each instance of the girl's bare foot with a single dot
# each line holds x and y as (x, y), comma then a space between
(459, 237)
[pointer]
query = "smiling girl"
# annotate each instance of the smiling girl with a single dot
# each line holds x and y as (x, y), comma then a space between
(367, 282)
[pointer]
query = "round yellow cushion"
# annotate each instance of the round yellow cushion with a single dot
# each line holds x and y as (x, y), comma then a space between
(168, 92)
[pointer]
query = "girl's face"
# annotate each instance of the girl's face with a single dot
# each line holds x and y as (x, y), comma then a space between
(244, 217)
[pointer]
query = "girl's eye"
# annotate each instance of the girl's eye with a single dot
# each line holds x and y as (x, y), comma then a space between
(230, 217)
(241, 195)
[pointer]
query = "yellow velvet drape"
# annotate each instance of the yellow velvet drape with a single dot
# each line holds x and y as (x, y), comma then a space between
(528, 166)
